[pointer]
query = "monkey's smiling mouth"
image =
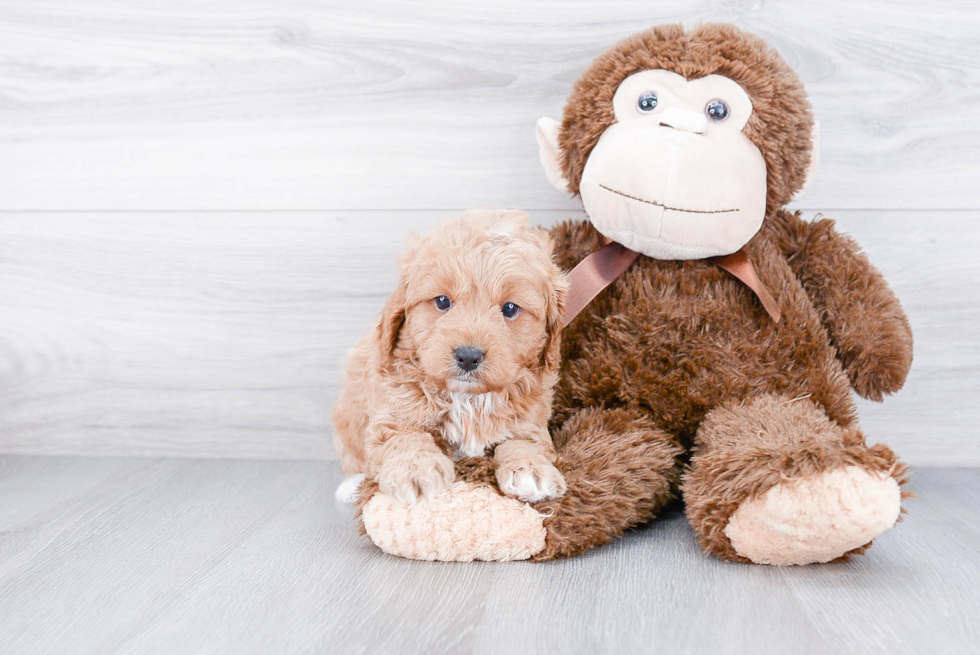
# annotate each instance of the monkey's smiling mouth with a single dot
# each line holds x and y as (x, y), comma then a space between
(673, 209)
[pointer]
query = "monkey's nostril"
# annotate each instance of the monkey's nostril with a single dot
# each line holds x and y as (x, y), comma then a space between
(468, 359)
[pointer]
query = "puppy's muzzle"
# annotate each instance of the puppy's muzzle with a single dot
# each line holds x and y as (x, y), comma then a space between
(469, 359)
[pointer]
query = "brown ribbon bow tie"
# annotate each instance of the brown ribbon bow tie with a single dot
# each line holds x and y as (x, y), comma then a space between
(605, 265)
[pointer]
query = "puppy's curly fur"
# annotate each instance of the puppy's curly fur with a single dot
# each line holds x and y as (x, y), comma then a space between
(409, 403)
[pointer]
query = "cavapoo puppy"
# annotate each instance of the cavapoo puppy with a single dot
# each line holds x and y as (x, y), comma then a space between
(464, 359)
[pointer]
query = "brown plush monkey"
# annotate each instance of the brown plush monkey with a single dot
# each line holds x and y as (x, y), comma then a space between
(681, 378)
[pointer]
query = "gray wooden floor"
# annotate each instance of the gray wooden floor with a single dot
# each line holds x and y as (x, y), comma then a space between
(127, 555)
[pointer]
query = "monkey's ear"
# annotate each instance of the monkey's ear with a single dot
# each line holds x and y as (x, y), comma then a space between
(547, 135)
(811, 170)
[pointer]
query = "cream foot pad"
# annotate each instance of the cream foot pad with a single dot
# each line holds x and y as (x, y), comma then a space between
(467, 523)
(815, 520)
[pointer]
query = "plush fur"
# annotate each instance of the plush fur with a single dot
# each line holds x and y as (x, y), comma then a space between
(408, 407)
(678, 339)
(676, 382)
(674, 340)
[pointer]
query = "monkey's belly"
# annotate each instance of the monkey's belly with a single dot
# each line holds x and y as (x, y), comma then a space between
(681, 342)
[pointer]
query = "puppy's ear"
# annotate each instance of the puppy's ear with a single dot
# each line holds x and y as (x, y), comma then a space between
(557, 295)
(393, 315)
(392, 319)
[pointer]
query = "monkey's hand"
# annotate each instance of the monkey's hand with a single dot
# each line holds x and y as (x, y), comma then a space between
(861, 313)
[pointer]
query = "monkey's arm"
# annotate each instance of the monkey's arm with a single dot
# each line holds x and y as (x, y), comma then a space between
(861, 313)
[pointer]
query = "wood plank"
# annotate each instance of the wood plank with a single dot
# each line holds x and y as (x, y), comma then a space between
(45, 488)
(217, 105)
(217, 334)
(254, 557)
(127, 548)
(211, 334)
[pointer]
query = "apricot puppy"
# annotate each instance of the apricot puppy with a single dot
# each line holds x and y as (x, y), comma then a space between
(464, 359)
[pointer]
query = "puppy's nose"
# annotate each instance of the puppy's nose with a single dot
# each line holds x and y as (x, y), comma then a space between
(468, 358)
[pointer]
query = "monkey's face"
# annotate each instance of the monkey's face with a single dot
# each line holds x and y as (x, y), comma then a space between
(674, 177)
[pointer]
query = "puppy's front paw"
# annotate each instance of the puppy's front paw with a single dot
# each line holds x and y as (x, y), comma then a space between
(409, 476)
(530, 481)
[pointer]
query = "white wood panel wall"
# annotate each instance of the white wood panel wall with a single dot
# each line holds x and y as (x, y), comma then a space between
(201, 201)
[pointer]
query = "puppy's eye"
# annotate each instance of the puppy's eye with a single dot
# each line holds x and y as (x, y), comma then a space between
(510, 310)
(443, 303)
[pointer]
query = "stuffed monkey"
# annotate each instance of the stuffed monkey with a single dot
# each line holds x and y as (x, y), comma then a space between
(718, 366)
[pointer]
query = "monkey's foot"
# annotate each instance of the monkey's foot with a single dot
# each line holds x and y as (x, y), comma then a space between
(816, 519)
(467, 522)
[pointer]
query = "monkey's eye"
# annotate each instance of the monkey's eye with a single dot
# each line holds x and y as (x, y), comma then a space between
(510, 310)
(647, 102)
(443, 303)
(716, 110)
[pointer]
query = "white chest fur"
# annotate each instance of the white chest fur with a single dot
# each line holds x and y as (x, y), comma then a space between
(471, 423)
